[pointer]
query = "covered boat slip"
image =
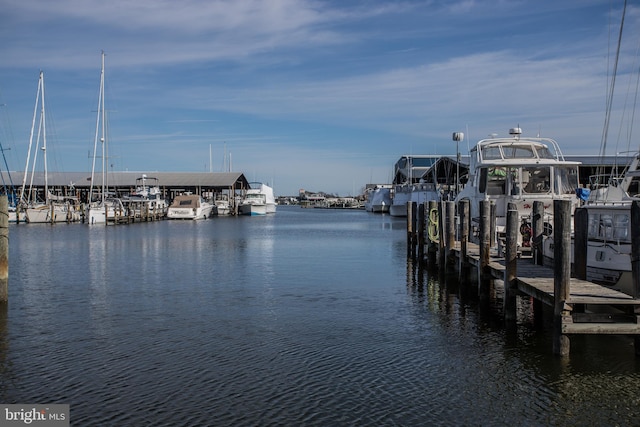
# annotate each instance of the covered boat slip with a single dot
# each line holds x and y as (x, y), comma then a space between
(207, 184)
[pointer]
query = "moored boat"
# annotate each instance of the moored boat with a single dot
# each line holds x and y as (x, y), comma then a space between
(379, 199)
(258, 200)
(519, 170)
(409, 184)
(189, 206)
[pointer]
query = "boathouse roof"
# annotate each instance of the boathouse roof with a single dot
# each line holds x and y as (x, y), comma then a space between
(211, 180)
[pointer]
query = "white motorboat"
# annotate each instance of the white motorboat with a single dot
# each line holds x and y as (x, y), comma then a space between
(221, 206)
(409, 184)
(258, 200)
(190, 206)
(379, 199)
(519, 170)
(420, 193)
(146, 199)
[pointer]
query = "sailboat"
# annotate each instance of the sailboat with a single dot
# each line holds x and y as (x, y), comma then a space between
(53, 208)
(101, 206)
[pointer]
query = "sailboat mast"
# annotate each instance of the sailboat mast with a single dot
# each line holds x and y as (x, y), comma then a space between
(44, 143)
(97, 132)
(103, 140)
(33, 126)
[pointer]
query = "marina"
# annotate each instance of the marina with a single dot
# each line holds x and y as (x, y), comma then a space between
(236, 321)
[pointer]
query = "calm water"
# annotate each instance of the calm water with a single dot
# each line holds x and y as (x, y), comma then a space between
(307, 317)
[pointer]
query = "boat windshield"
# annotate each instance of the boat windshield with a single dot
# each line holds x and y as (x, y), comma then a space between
(518, 152)
(491, 153)
(544, 153)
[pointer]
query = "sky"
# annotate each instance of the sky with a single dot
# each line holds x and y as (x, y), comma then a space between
(311, 94)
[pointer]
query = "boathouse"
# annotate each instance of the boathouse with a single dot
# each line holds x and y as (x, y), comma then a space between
(208, 184)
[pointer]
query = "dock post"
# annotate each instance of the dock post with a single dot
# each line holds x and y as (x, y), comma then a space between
(421, 231)
(442, 236)
(537, 229)
(561, 273)
(485, 247)
(432, 232)
(492, 234)
(450, 208)
(4, 249)
(463, 208)
(411, 227)
(580, 245)
(511, 264)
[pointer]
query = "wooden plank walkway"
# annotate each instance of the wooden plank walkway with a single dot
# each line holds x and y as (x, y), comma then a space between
(537, 281)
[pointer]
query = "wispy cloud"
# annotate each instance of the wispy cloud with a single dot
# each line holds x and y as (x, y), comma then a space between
(313, 86)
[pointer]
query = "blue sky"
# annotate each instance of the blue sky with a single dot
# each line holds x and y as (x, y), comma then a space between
(320, 95)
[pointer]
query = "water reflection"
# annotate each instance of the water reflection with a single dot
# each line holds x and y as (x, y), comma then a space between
(306, 317)
(514, 363)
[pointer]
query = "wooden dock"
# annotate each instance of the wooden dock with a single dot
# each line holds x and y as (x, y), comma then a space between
(579, 306)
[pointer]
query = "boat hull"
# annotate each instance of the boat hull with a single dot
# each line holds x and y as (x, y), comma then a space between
(49, 214)
(202, 212)
(253, 209)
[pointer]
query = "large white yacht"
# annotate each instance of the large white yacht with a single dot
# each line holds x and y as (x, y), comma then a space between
(519, 170)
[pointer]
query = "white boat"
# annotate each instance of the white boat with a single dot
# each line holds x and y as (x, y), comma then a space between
(222, 206)
(379, 199)
(189, 206)
(409, 184)
(146, 199)
(519, 170)
(420, 193)
(50, 208)
(109, 208)
(258, 200)
(609, 232)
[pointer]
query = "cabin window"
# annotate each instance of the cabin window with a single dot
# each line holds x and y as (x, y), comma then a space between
(594, 226)
(566, 180)
(482, 187)
(621, 227)
(536, 180)
(496, 180)
(608, 226)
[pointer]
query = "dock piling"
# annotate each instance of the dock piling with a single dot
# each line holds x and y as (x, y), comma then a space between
(511, 264)
(484, 276)
(537, 229)
(421, 231)
(450, 209)
(4, 249)
(561, 273)
(432, 232)
(463, 208)
(581, 230)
